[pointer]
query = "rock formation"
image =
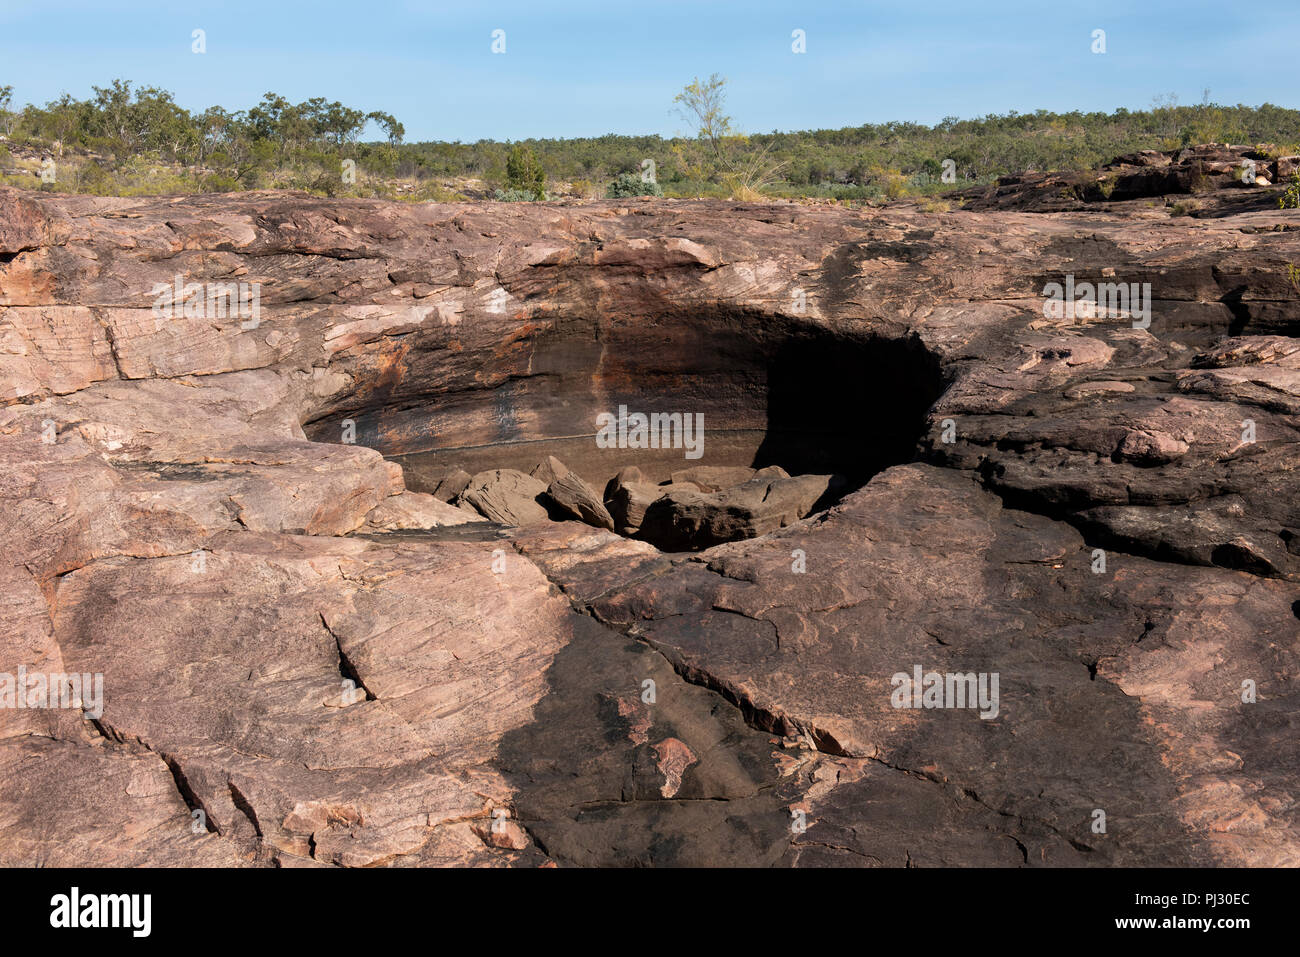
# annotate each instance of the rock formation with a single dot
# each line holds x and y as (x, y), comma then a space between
(310, 656)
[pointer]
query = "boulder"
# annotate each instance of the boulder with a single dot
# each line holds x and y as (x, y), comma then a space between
(687, 519)
(416, 510)
(626, 496)
(574, 498)
(451, 485)
(629, 473)
(549, 469)
(506, 496)
(630, 499)
(714, 478)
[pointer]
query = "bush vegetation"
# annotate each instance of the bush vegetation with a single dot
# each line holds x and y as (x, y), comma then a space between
(631, 184)
(138, 140)
(1290, 198)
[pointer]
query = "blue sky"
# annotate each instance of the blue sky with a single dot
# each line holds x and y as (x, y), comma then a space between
(589, 67)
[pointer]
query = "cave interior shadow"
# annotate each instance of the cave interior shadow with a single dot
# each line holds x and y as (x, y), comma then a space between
(850, 407)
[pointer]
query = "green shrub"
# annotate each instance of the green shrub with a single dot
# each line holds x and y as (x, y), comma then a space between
(524, 174)
(434, 192)
(516, 196)
(630, 184)
(219, 183)
(93, 178)
(1290, 198)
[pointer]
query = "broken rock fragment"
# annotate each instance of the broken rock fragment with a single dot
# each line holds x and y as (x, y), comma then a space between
(452, 485)
(575, 498)
(506, 496)
(683, 518)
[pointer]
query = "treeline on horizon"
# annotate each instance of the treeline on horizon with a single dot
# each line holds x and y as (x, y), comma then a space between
(139, 141)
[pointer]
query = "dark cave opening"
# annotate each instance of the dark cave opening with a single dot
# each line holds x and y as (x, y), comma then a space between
(794, 417)
(846, 406)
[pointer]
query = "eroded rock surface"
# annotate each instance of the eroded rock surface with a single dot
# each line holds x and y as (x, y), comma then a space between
(310, 660)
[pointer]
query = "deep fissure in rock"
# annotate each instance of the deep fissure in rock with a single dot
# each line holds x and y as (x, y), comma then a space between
(794, 416)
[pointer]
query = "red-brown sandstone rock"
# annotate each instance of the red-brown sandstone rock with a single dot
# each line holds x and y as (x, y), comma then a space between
(303, 650)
